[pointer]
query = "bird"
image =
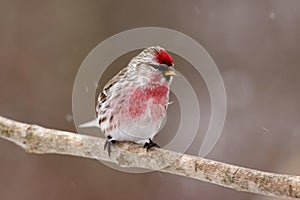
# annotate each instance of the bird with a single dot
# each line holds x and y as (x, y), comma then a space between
(133, 104)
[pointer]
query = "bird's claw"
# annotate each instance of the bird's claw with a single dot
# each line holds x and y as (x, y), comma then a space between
(150, 144)
(109, 141)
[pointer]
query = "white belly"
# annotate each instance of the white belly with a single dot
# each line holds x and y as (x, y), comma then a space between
(142, 128)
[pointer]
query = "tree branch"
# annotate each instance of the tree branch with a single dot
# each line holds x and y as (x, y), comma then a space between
(36, 139)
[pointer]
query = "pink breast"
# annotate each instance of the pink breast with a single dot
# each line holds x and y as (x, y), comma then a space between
(141, 98)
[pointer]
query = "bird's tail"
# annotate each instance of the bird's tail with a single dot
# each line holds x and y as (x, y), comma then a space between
(92, 123)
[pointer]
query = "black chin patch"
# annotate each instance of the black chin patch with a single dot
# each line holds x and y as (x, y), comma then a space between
(167, 78)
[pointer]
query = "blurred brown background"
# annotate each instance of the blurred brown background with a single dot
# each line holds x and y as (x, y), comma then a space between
(255, 44)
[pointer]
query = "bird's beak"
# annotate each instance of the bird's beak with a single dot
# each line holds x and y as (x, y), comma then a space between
(169, 72)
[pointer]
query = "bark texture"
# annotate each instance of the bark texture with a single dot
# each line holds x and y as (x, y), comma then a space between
(36, 139)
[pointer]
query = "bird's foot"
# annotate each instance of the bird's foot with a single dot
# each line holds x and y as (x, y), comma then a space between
(150, 144)
(108, 143)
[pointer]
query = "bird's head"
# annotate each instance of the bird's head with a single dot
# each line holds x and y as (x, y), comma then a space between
(156, 60)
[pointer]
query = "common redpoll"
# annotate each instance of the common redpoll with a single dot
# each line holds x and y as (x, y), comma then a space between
(133, 104)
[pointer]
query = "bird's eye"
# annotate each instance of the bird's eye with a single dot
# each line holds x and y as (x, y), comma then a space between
(155, 66)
